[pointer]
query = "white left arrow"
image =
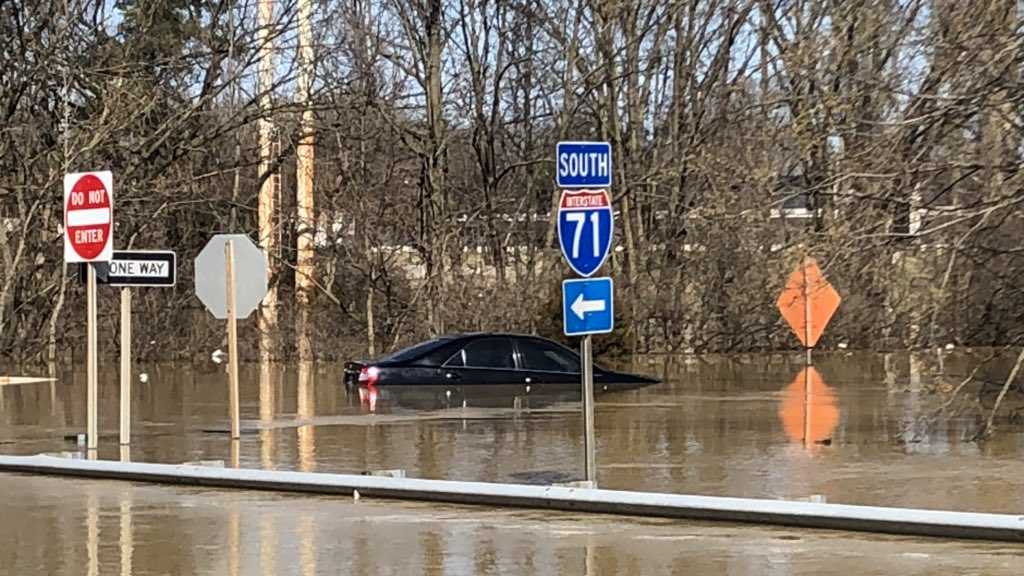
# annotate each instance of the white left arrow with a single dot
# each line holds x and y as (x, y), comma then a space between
(580, 306)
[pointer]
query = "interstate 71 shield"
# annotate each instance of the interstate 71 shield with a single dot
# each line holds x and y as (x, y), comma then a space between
(585, 224)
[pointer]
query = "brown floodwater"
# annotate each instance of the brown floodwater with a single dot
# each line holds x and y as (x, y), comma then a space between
(850, 431)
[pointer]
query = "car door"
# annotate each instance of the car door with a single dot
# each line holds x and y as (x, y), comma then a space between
(548, 367)
(483, 361)
(484, 371)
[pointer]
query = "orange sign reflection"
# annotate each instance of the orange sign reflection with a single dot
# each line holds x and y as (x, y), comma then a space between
(808, 410)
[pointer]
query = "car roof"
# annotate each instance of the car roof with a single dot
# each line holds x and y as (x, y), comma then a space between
(463, 338)
(467, 336)
(450, 343)
(471, 335)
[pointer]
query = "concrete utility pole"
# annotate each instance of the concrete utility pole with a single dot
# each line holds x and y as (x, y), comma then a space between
(267, 207)
(305, 155)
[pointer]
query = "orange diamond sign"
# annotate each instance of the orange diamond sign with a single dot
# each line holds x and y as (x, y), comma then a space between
(808, 302)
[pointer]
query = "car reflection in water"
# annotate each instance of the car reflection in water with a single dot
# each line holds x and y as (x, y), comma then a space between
(478, 370)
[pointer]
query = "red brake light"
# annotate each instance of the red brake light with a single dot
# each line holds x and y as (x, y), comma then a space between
(368, 375)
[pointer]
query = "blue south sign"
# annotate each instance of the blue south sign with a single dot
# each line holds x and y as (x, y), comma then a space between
(583, 164)
(585, 224)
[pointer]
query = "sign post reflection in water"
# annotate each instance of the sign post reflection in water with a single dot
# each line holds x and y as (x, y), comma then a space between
(305, 410)
(808, 411)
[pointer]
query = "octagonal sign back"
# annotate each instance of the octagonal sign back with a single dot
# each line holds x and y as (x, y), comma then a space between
(250, 276)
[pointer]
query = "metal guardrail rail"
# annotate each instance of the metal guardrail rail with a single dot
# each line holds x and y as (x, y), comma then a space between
(903, 521)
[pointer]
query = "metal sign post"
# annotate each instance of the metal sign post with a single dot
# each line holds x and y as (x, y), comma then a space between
(229, 258)
(589, 448)
(126, 366)
(808, 404)
(807, 313)
(92, 437)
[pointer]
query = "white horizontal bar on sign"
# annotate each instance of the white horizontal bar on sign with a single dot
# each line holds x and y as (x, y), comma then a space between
(18, 380)
(88, 217)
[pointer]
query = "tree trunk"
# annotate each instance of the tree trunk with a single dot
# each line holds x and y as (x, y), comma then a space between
(567, 112)
(267, 210)
(435, 158)
(306, 224)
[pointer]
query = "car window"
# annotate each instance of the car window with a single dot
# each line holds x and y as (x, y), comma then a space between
(540, 355)
(458, 360)
(485, 353)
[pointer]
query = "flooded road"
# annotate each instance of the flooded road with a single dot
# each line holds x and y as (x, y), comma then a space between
(101, 527)
(850, 432)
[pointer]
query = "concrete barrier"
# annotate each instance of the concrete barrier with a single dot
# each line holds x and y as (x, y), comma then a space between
(905, 521)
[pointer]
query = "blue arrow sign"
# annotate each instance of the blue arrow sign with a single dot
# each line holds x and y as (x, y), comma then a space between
(588, 306)
(585, 229)
(583, 164)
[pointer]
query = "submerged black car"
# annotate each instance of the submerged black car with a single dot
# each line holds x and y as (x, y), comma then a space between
(483, 369)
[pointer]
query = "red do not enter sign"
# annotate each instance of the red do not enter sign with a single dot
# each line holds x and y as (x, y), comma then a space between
(88, 217)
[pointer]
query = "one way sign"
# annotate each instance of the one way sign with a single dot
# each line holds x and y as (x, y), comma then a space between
(138, 268)
(587, 306)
